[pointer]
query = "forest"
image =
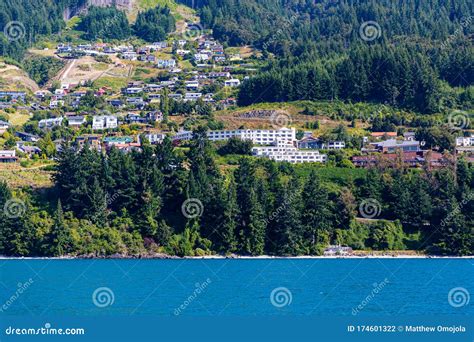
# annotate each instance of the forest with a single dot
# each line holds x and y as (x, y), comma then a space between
(110, 23)
(415, 55)
(28, 20)
(180, 201)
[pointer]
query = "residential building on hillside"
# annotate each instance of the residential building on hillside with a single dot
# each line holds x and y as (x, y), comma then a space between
(155, 138)
(234, 82)
(393, 145)
(8, 156)
(411, 159)
(465, 141)
(93, 141)
(3, 126)
(27, 137)
(104, 122)
(76, 121)
(50, 123)
(257, 136)
(166, 63)
(288, 153)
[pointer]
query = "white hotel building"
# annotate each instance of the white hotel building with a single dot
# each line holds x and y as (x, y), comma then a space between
(286, 152)
(257, 136)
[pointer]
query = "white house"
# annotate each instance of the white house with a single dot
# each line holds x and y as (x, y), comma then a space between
(165, 63)
(192, 85)
(234, 82)
(201, 57)
(50, 123)
(76, 121)
(104, 122)
(465, 141)
(130, 55)
(8, 156)
(3, 126)
(181, 52)
(192, 96)
(183, 135)
(133, 90)
(334, 145)
(155, 138)
(56, 103)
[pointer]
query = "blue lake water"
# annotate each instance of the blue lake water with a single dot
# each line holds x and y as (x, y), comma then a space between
(295, 287)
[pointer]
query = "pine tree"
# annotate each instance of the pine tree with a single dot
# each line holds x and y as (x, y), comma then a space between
(59, 239)
(316, 217)
(454, 235)
(251, 221)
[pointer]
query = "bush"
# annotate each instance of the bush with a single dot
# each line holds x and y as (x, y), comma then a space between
(236, 146)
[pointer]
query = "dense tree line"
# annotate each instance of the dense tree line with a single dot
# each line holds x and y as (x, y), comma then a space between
(418, 52)
(304, 25)
(182, 203)
(399, 76)
(42, 69)
(28, 19)
(153, 25)
(105, 23)
(110, 23)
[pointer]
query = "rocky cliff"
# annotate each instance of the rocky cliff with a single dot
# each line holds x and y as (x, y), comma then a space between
(72, 11)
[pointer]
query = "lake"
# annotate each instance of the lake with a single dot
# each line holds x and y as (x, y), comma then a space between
(237, 287)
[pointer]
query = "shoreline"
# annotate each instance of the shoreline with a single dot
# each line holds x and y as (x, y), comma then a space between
(239, 257)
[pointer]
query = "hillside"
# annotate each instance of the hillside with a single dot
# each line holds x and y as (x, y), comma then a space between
(411, 55)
